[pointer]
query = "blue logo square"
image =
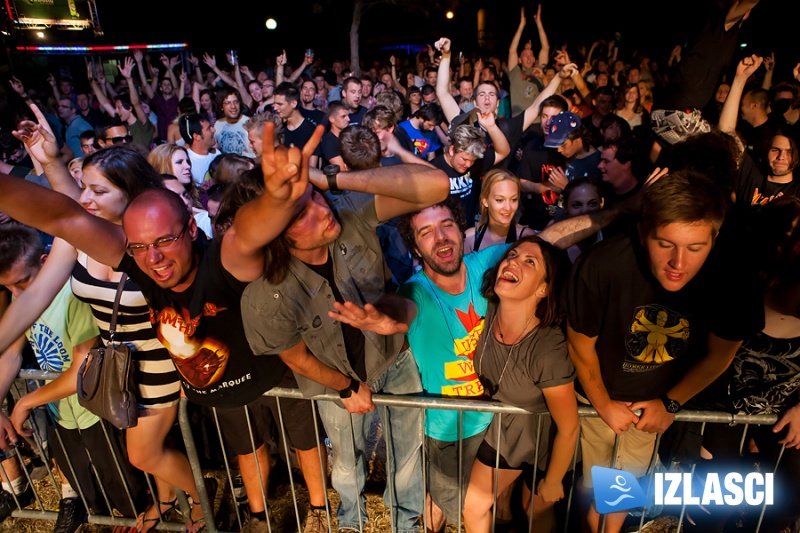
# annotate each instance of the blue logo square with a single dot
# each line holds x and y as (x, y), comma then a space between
(616, 490)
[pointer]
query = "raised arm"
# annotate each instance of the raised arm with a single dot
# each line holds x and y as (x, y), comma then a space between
(307, 60)
(769, 68)
(499, 142)
(261, 220)
(737, 11)
(280, 61)
(395, 81)
(41, 144)
(211, 61)
(446, 100)
(150, 90)
(96, 86)
(532, 111)
(136, 101)
(61, 216)
(398, 189)
(729, 115)
(513, 57)
(19, 88)
(169, 65)
(54, 85)
(544, 51)
(247, 100)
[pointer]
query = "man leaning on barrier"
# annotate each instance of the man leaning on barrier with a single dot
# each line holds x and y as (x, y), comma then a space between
(648, 325)
(193, 288)
(331, 253)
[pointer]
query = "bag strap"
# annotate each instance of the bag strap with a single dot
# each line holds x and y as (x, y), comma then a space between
(112, 326)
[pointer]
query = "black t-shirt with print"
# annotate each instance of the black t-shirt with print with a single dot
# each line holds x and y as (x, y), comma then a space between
(466, 188)
(647, 337)
(300, 135)
(202, 329)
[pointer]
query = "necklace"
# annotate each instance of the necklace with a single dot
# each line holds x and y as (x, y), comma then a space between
(492, 388)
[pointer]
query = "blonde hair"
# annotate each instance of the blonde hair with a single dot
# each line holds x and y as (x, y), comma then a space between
(160, 158)
(496, 175)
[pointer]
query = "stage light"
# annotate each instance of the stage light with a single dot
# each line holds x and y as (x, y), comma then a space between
(271, 24)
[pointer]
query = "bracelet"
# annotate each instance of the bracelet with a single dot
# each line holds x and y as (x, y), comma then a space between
(350, 389)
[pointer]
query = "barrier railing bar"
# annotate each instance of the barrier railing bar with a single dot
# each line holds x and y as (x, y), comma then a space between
(288, 462)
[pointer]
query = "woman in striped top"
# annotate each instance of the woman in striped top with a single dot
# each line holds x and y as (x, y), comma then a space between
(112, 177)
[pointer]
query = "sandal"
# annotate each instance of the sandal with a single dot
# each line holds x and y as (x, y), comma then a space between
(211, 486)
(150, 523)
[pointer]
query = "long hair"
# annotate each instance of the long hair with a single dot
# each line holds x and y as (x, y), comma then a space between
(125, 168)
(496, 175)
(547, 307)
(160, 159)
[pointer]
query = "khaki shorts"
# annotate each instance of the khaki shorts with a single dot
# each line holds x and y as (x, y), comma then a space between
(597, 446)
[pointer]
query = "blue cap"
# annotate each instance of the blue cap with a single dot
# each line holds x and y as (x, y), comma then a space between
(561, 126)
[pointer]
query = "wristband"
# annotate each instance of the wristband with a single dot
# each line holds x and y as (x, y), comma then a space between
(350, 389)
(331, 172)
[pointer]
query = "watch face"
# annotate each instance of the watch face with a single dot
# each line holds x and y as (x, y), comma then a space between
(673, 406)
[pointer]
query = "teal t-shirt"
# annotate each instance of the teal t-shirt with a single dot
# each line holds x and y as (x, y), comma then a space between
(443, 338)
(64, 324)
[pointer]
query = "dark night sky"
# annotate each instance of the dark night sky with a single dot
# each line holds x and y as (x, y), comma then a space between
(653, 27)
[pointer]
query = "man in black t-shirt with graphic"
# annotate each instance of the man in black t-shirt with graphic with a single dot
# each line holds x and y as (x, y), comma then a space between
(645, 328)
(298, 129)
(459, 163)
(193, 288)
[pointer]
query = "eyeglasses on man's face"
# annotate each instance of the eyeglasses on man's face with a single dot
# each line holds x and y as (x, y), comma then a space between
(121, 139)
(138, 249)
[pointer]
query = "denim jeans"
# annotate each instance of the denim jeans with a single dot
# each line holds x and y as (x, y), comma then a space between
(402, 428)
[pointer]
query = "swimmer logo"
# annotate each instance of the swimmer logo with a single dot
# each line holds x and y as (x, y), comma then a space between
(616, 490)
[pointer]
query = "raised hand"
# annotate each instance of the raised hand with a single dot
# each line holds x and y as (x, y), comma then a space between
(194, 60)
(286, 169)
(38, 138)
(796, 72)
(173, 61)
(281, 59)
(443, 45)
(392, 60)
(164, 60)
(211, 61)
(538, 16)
(522, 20)
(568, 70)
(769, 61)
(138, 55)
(183, 77)
(17, 86)
(562, 57)
(51, 80)
(487, 120)
(748, 65)
(127, 69)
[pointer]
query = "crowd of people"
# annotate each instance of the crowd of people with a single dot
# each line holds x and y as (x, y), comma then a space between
(573, 227)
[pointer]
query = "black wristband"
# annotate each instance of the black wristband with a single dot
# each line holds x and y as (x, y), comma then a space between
(331, 172)
(350, 389)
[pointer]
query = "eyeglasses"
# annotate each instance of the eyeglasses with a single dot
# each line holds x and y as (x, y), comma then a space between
(117, 140)
(231, 102)
(268, 86)
(489, 388)
(137, 249)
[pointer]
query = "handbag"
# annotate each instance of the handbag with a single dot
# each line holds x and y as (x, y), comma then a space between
(105, 379)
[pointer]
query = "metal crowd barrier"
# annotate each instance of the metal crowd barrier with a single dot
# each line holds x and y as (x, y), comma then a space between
(381, 402)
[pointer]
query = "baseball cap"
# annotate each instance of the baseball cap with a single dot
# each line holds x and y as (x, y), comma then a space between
(560, 127)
